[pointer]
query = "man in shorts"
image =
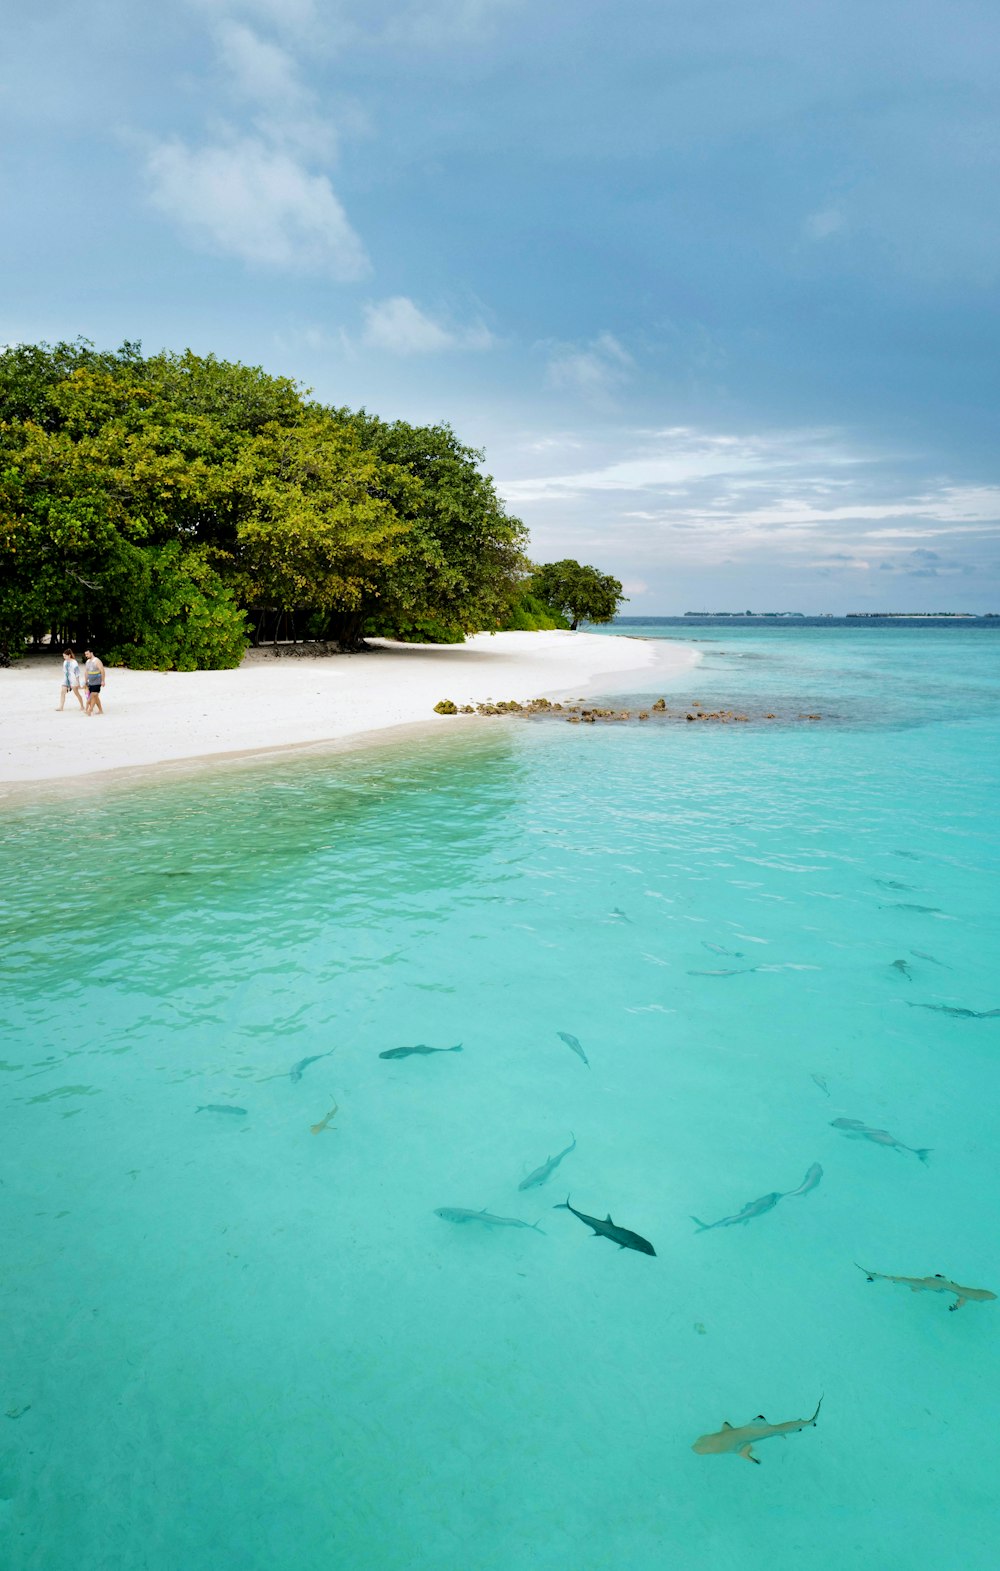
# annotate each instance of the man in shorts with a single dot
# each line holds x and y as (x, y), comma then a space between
(93, 673)
(70, 678)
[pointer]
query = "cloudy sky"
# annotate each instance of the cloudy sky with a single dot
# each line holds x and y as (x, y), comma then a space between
(713, 282)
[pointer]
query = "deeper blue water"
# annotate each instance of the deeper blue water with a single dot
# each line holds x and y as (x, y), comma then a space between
(231, 1343)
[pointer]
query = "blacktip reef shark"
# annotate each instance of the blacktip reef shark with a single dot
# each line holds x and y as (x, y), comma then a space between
(958, 1013)
(546, 1170)
(317, 1129)
(934, 1284)
(298, 1070)
(622, 1236)
(220, 1107)
(854, 1129)
(573, 1044)
(730, 1441)
(810, 1181)
(750, 1210)
(460, 1214)
(420, 1048)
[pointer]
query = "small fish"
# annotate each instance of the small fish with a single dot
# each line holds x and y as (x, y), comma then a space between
(718, 949)
(460, 1214)
(617, 911)
(750, 1210)
(821, 1082)
(892, 883)
(960, 1014)
(903, 968)
(934, 1284)
(738, 1442)
(740, 971)
(608, 1229)
(810, 1181)
(854, 1129)
(421, 1048)
(218, 1107)
(902, 905)
(546, 1170)
(921, 955)
(298, 1070)
(317, 1129)
(572, 1042)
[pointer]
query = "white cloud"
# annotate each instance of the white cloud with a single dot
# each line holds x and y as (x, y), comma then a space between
(247, 199)
(593, 371)
(260, 71)
(821, 225)
(399, 326)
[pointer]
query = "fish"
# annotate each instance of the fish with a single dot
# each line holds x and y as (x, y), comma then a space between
(728, 1441)
(617, 911)
(959, 1014)
(421, 1047)
(740, 971)
(572, 1042)
(219, 1107)
(298, 1070)
(821, 1082)
(903, 968)
(460, 1214)
(622, 1236)
(810, 1181)
(718, 949)
(921, 955)
(750, 1210)
(854, 1129)
(934, 1284)
(903, 905)
(317, 1129)
(546, 1170)
(892, 883)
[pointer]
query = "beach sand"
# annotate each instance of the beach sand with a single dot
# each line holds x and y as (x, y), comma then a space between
(160, 717)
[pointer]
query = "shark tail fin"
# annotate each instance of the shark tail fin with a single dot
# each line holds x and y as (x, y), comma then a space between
(869, 1274)
(457, 1049)
(819, 1404)
(703, 1227)
(563, 1205)
(537, 1228)
(923, 1153)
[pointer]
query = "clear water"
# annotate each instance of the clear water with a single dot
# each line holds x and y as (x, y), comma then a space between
(232, 1343)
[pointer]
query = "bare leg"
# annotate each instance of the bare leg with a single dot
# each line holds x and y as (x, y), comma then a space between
(79, 697)
(96, 700)
(62, 696)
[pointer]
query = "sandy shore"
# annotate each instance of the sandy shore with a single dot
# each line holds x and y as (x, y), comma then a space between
(154, 717)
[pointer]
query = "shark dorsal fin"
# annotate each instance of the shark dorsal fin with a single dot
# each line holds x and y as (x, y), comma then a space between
(726, 1424)
(760, 1419)
(938, 1276)
(608, 1219)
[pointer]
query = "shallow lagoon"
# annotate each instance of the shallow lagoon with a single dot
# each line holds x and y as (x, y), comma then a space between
(232, 1343)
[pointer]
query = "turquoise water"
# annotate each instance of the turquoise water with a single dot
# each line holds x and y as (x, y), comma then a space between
(232, 1343)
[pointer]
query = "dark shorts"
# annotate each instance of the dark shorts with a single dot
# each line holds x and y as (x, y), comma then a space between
(93, 687)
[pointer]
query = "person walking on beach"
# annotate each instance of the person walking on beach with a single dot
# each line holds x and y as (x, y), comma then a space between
(94, 674)
(70, 678)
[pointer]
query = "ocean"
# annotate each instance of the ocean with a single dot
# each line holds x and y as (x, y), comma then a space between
(237, 1334)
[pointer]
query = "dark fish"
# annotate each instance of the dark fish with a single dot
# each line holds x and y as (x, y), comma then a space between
(608, 1229)
(892, 883)
(421, 1047)
(903, 905)
(810, 1181)
(854, 1129)
(219, 1107)
(460, 1214)
(821, 1082)
(960, 1014)
(546, 1170)
(718, 949)
(298, 1070)
(616, 911)
(572, 1042)
(750, 1210)
(921, 955)
(903, 968)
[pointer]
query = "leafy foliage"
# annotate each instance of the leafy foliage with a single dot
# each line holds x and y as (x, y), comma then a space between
(581, 594)
(533, 615)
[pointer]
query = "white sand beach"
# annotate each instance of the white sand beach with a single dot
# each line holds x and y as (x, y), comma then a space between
(154, 717)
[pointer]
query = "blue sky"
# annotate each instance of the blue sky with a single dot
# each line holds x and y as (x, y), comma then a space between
(714, 282)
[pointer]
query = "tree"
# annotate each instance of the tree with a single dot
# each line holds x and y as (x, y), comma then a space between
(581, 594)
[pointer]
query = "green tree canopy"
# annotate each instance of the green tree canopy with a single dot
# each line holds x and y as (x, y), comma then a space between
(148, 503)
(581, 594)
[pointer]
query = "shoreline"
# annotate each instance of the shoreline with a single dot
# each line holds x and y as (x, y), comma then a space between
(267, 706)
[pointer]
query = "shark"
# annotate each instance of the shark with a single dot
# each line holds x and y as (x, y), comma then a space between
(546, 1170)
(317, 1129)
(934, 1284)
(904, 968)
(622, 1236)
(421, 1048)
(298, 1070)
(572, 1043)
(854, 1129)
(750, 1210)
(730, 1441)
(220, 1107)
(810, 1181)
(460, 1214)
(958, 1013)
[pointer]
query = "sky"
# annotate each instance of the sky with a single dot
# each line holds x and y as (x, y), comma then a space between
(712, 282)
